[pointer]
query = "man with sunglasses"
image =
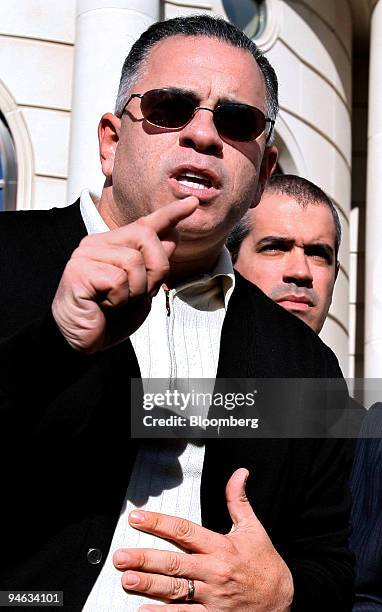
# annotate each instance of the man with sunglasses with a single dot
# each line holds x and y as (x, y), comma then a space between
(139, 284)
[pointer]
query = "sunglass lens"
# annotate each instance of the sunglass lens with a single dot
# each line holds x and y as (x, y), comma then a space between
(166, 108)
(239, 122)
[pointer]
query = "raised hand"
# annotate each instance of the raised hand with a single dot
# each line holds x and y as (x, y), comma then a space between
(106, 289)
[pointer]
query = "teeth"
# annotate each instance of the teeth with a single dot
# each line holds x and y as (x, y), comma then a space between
(194, 175)
(194, 180)
(192, 185)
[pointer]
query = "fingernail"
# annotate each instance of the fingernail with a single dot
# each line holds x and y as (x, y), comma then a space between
(122, 558)
(130, 579)
(136, 516)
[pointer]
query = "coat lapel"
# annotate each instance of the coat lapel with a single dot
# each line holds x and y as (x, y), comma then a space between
(68, 227)
(249, 349)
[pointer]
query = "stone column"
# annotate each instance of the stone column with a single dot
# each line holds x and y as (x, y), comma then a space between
(105, 32)
(373, 294)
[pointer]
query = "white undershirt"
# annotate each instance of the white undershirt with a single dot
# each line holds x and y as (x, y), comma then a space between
(166, 474)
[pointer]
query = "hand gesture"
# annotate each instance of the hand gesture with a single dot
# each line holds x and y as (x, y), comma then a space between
(239, 571)
(106, 289)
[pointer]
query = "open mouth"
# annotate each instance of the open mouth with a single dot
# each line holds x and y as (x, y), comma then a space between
(190, 180)
(194, 180)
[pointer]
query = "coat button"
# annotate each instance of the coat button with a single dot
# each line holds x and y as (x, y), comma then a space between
(94, 556)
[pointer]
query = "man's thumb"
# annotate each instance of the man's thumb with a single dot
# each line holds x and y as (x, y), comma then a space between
(238, 505)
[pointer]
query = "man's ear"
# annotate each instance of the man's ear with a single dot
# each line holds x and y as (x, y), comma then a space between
(268, 166)
(108, 137)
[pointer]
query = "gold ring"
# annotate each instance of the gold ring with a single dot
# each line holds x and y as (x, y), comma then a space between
(191, 590)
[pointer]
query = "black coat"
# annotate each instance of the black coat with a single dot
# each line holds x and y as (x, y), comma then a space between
(366, 486)
(67, 451)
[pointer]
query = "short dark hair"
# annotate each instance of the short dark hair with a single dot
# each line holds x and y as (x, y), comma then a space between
(238, 233)
(303, 191)
(194, 25)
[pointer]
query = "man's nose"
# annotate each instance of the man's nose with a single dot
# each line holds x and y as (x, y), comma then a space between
(297, 269)
(201, 133)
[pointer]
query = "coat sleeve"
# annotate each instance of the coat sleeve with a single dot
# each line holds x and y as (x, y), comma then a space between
(49, 367)
(366, 485)
(320, 560)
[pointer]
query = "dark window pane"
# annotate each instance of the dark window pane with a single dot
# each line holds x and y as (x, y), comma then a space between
(248, 15)
(8, 168)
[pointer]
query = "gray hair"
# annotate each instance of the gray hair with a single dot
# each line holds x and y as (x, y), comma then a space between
(194, 25)
(303, 191)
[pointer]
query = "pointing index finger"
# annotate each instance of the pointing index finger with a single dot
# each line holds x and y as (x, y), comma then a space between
(169, 216)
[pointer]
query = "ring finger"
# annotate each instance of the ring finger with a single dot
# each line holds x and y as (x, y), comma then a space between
(164, 587)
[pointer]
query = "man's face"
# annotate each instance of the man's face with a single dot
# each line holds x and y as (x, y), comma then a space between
(290, 254)
(149, 165)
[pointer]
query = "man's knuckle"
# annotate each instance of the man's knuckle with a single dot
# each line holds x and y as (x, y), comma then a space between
(184, 530)
(155, 522)
(174, 564)
(134, 258)
(91, 241)
(224, 571)
(177, 588)
(119, 278)
(74, 266)
(142, 560)
(145, 232)
(148, 583)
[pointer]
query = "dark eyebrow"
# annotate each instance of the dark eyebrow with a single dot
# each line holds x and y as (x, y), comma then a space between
(187, 92)
(316, 248)
(320, 248)
(232, 101)
(282, 240)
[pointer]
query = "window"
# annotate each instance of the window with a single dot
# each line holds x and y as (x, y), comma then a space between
(248, 15)
(8, 168)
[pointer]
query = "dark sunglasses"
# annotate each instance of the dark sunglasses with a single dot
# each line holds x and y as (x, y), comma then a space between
(173, 109)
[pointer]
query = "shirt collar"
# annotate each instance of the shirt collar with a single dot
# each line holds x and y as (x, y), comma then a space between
(222, 272)
(223, 267)
(90, 215)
